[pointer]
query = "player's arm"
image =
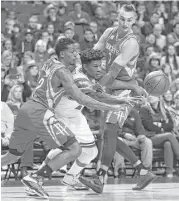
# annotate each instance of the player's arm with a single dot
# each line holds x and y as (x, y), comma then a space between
(100, 45)
(107, 98)
(70, 87)
(129, 50)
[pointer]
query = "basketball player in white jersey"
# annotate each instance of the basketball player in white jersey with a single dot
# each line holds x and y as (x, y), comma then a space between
(122, 51)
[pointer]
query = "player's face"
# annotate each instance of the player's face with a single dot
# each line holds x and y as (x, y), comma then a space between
(126, 20)
(94, 69)
(70, 54)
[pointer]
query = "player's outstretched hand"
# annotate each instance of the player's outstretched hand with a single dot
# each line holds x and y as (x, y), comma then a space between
(141, 91)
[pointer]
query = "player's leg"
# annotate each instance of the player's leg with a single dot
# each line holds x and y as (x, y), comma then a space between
(96, 183)
(86, 139)
(55, 134)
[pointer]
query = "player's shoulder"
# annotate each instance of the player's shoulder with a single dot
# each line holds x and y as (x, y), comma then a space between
(131, 42)
(109, 30)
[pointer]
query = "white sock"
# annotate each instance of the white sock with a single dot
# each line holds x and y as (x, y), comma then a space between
(143, 172)
(75, 168)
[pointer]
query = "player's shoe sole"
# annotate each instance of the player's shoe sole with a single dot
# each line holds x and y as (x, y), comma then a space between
(33, 184)
(93, 183)
(145, 181)
(75, 187)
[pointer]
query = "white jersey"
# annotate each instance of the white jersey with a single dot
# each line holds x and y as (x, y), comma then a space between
(66, 112)
(66, 103)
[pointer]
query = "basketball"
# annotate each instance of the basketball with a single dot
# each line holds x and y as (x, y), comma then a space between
(156, 83)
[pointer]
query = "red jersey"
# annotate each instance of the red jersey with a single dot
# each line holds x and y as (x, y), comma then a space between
(45, 93)
(113, 47)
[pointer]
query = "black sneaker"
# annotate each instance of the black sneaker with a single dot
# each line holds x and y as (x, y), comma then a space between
(92, 182)
(34, 184)
(145, 180)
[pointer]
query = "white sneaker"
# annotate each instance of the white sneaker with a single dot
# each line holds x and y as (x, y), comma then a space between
(30, 192)
(72, 181)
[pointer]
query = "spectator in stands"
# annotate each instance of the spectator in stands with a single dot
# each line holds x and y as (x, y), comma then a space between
(134, 136)
(6, 59)
(9, 28)
(7, 45)
(52, 35)
(69, 33)
(88, 41)
(16, 37)
(41, 55)
(15, 78)
(174, 86)
(160, 39)
(71, 25)
(7, 124)
(111, 18)
(170, 39)
(142, 15)
(15, 99)
(99, 17)
(176, 36)
(158, 123)
(28, 43)
(34, 26)
(168, 99)
(78, 15)
(45, 38)
(137, 31)
(149, 25)
(170, 63)
(62, 12)
(32, 74)
(50, 13)
(94, 27)
(154, 63)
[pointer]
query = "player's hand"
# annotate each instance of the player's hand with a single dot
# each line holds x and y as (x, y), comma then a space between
(141, 91)
(129, 137)
(98, 88)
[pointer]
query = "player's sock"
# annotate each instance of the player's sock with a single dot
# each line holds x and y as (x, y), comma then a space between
(76, 167)
(109, 146)
(44, 171)
(87, 155)
(126, 151)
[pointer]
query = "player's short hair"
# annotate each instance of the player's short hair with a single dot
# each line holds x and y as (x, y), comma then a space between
(89, 55)
(62, 44)
(128, 7)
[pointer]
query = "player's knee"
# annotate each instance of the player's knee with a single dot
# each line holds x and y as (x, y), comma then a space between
(75, 149)
(93, 152)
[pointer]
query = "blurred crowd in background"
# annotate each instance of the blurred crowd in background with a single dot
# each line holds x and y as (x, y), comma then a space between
(29, 30)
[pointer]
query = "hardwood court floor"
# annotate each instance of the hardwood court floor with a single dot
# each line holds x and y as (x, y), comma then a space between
(113, 191)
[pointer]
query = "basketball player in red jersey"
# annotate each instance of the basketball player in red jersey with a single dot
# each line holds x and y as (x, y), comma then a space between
(122, 51)
(36, 117)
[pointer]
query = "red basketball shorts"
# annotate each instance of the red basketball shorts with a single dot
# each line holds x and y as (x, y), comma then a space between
(34, 120)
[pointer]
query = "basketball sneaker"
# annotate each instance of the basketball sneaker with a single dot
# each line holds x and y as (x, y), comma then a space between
(72, 181)
(92, 182)
(34, 183)
(30, 192)
(144, 181)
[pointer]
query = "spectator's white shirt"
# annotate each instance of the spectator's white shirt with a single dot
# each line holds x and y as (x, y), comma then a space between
(7, 121)
(161, 41)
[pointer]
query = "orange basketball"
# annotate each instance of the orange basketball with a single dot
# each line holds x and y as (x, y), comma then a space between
(156, 83)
